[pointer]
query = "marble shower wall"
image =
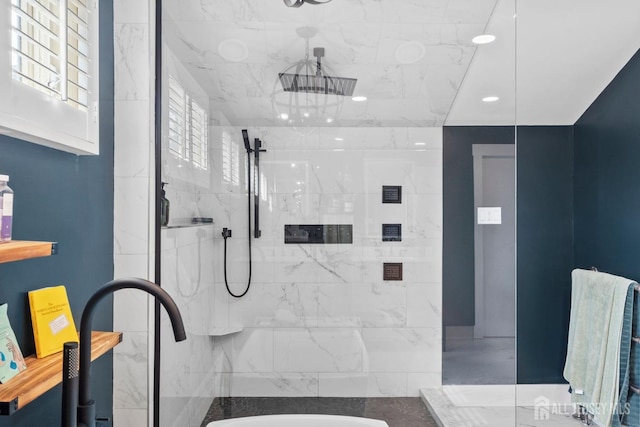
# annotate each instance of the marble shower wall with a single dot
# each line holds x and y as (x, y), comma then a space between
(133, 208)
(319, 320)
(187, 376)
(188, 382)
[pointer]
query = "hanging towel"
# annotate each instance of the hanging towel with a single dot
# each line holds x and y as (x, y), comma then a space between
(593, 350)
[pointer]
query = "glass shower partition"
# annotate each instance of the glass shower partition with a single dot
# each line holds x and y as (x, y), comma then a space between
(352, 305)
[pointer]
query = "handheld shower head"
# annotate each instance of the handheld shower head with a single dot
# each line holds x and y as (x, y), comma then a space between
(247, 143)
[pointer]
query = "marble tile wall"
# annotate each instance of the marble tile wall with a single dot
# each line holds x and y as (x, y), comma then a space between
(319, 320)
(188, 380)
(133, 219)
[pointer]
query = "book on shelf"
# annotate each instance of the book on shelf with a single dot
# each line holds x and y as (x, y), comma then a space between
(11, 359)
(51, 319)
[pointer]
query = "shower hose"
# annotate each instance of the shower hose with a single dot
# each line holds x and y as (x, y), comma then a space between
(227, 233)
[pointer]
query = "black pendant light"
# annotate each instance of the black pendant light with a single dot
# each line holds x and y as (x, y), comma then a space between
(298, 3)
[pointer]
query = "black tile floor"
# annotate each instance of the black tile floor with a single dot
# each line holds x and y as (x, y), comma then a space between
(396, 411)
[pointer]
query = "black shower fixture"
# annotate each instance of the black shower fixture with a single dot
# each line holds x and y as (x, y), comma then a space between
(226, 233)
(298, 3)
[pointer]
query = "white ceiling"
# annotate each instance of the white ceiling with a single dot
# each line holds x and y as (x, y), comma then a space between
(567, 52)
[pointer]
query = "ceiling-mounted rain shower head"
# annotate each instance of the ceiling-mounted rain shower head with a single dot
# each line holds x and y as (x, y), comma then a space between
(318, 83)
(247, 144)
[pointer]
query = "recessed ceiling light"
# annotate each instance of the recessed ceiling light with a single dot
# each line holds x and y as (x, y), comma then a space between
(329, 120)
(233, 50)
(483, 39)
(284, 116)
(339, 139)
(359, 98)
(410, 52)
(338, 149)
(490, 99)
(420, 143)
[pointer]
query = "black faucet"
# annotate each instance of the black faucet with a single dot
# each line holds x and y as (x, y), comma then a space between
(78, 409)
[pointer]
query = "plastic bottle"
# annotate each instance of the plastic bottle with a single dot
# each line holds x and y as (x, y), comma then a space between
(6, 209)
(164, 207)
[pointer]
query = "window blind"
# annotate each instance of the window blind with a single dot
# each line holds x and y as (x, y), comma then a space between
(50, 48)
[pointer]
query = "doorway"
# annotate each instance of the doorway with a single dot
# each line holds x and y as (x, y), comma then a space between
(494, 240)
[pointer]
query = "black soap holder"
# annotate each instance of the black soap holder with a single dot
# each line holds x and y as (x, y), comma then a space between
(391, 194)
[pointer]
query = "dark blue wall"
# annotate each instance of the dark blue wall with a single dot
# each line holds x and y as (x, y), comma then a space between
(545, 250)
(69, 199)
(607, 178)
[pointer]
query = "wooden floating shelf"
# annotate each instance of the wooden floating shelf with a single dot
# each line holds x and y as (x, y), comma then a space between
(43, 374)
(17, 250)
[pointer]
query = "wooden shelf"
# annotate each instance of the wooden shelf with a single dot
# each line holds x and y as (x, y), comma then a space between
(43, 374)
(17, 250)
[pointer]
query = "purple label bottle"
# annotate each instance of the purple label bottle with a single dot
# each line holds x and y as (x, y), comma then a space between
(6, 209)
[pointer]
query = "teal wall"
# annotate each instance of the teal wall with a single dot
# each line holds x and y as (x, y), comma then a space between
(544, 251)
(607, 178)
(69, 199)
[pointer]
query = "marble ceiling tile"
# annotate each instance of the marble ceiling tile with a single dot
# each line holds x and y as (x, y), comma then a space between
(350, 44)
(356, 43)
(411, 110)
(355, 11)
(204, 38)
(360, 38)
(199, 10)
(414, 11)
(242, 81)
(207, 76)
(469, 11)
(441, 87)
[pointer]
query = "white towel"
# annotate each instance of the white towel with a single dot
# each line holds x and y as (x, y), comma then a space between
(593, 351)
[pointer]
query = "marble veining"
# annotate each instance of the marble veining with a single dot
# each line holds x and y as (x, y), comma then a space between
(319, 320)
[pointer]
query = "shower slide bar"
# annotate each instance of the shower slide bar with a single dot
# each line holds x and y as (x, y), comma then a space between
(256, 197)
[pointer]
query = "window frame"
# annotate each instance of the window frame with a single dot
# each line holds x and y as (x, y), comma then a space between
(29, 114)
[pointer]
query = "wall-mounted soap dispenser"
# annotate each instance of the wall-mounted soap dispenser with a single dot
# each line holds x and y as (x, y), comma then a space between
(164, 207)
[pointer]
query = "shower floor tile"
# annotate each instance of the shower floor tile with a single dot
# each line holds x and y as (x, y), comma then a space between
(396, 411)
(479, 361)
(449, 414)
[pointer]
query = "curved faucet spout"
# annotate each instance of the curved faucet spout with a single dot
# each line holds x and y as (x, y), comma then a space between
(85, 334)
